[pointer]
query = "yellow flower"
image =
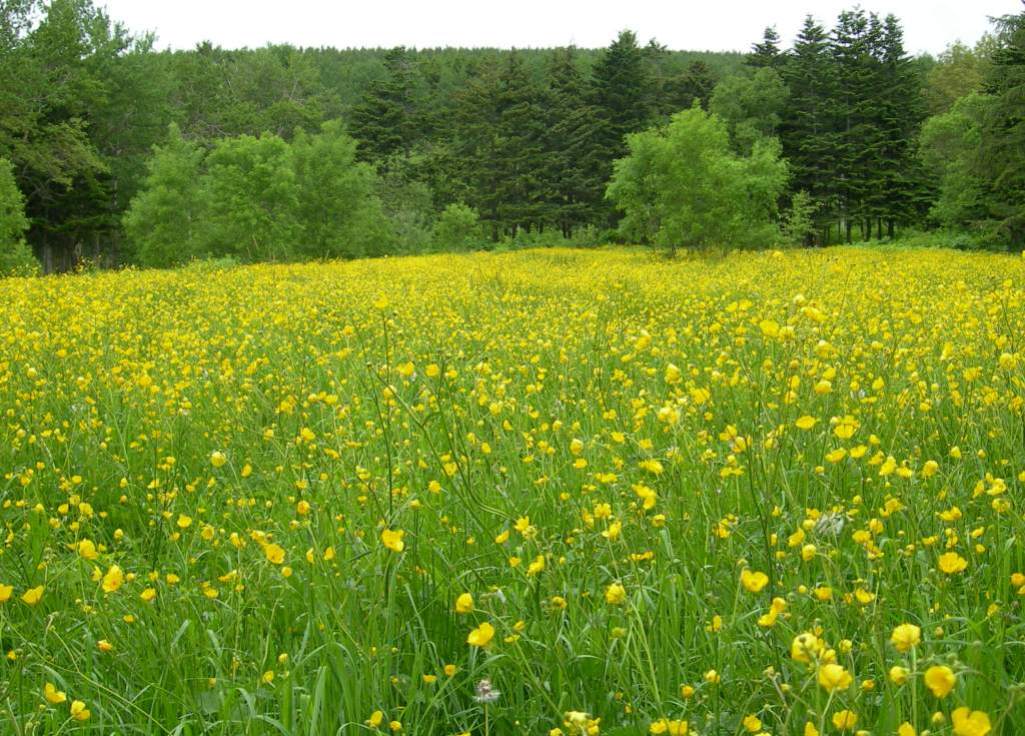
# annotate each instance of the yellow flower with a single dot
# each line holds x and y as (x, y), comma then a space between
(481, 636)
(969, 722)
(218, 459)
(952, 562)
(113, 579)
(5, 592)
(53, 695)
(940, 679)
(104, 646)
(148, 595)
(184, 522)
(464, 603)
(834, 677)
(32, 596)
(753, 581)
(810, 730)
(844, 720)
(615, 594)
(906, 729)
(806, 422)
(392, 539)
(87, 549)
(375, 719)
(898, 675)
(275, 553)
(906, 637)
(806, 647)
(752, 723)
(78, 711)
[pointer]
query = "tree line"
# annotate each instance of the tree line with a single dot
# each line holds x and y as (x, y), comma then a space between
(116, 153)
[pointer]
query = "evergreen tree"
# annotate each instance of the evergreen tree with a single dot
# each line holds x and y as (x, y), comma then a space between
(855, 44)
(899, 190)
(807, 132)
(621, 94)
(384, 122)
(1002, 150)
(572, 170)
(695, 83)
(751, 104)
(766, 53)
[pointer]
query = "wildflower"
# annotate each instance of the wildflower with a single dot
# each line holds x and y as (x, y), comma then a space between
(32, 596)
(952, 563)
(53, 695)
(615, 594)
(275, 553)
(940, 679)
(485, 692)
(464, 603)
(968, 722)
(753, 581)
(392, 539)
(834, 677)
(481, 636)
(78, 711)
(906, 637)
(844, 720)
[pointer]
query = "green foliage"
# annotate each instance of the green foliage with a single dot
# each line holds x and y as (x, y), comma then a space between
(959, 71)
(949, 145)
(166, 221)
(15, 255)
(335, 204)
(1002, 146)
(253, 198)
(683, 186)
(751, 104)
(798, 221)
(457, 227)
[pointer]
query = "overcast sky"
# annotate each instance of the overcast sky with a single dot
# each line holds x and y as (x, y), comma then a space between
(679, 24)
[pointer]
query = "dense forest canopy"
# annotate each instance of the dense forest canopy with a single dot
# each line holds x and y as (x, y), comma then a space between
(114, 146)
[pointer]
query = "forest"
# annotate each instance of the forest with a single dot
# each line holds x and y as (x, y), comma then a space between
(114, 153)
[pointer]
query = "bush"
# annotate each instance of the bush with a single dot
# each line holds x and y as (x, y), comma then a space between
(682, 186)
(458, 226)
(15, 255)
(165, 221)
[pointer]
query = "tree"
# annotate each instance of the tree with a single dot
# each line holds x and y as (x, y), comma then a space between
(337, 210)
(949, 148)
(959, 71)
(253, 199)
(572, 170)
(807, 130)
(765, 54)
(621, 94)
(751, 105)
(15, 256)
(458, 226)
(1002, 149)
(682, 185)
(384, 122)
(696, 82)
(165, 222)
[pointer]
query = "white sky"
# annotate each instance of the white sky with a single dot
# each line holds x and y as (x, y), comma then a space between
(680, 24)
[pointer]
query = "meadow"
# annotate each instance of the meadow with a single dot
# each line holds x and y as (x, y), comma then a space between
(544, 492)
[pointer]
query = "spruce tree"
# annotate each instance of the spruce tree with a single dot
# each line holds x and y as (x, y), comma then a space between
(572, 169)
(384, 122)
(766, 53)
(807, 132)
(1002, 153)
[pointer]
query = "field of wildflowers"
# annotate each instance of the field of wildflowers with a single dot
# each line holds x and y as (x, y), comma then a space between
(547, 492)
